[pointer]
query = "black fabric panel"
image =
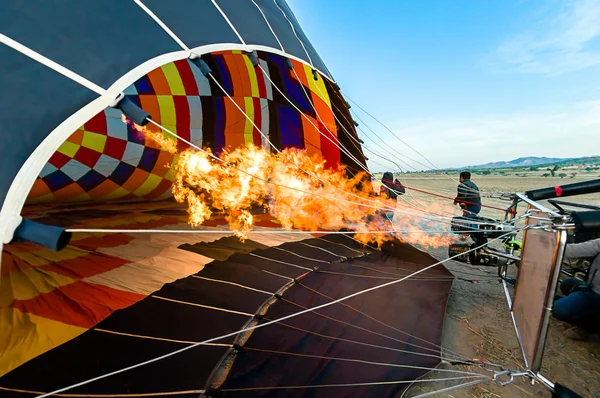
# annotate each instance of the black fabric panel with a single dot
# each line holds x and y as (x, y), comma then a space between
(196, 23)
(95, 353)
(214, 294)
(249, 22)
(271, 266)
(166, 319)
(223, 248)
(416, 308)
(99, 40)
(34, 102)
(242, 274)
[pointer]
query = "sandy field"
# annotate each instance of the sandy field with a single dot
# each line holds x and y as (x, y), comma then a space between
(478, 322)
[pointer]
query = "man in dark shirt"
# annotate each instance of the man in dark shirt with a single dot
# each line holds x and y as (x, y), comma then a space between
(468, 195)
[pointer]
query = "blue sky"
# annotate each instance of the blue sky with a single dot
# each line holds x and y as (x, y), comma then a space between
(467, 81)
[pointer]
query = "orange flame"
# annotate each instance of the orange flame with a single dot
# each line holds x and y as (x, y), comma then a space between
(296, 189)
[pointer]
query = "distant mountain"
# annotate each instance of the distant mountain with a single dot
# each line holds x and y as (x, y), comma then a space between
(520, 162)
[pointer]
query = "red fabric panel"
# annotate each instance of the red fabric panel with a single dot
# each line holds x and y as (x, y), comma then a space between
(187, 77)
(80, 304)
(182, 115)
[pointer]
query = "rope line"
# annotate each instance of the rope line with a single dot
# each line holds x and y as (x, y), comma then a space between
(130, 395)
(260, 325)
(139, 336)
(378, 383)
(301, 256)
(359, 327)
(202, 306)
(360, 361)
(382, 347)
(384, 323)
(234, 284)
(258, 232)
(448, 389)
(280, 262)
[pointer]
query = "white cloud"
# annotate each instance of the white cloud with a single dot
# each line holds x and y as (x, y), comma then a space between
(558, 44)
(565, 131)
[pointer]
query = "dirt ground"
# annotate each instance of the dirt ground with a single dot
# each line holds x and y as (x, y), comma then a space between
(478, 322)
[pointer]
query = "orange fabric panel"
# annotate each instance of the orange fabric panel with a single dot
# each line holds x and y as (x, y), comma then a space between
(312, 136)
(39, 188)
(299, 68)
(79, 304)
(82, 267)
(150, 104)
(234, 72)
(136, 180)
(325, 113)
(236, 122)
(76, 137)
(159, 82)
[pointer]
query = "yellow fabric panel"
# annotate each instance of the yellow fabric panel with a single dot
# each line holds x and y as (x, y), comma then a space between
(167, 112)
(68, 148)
(116, 194)
(29, 336)
(248, 127)
(173, 78)
(252, 74)
(45, 256)
(148, 186)
(29, 283)
(317, 87)
(94, 141)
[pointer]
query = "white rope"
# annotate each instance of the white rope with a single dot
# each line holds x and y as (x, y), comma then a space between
(400, 139)
(162, 24)
(288, 187)
(437, 218)
(320, 248)
(301, 256)
(368, 330)
(234, 284)
(420, 279)
(448, 389)
(341, 244)
(229, 22)
(262, 179)
(352, 137)
(337, 144)
(379, 383)
(393, 365)
(280, 262)
(383, 347)
(256, 232)
(139, 336)
(295, 34)
(266, 138)
(269, 25)
(261, 325)
(202, 306)
(68, 73)
(439, 347)
(274, 274)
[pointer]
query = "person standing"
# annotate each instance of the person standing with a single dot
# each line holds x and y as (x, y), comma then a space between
(468, 195)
